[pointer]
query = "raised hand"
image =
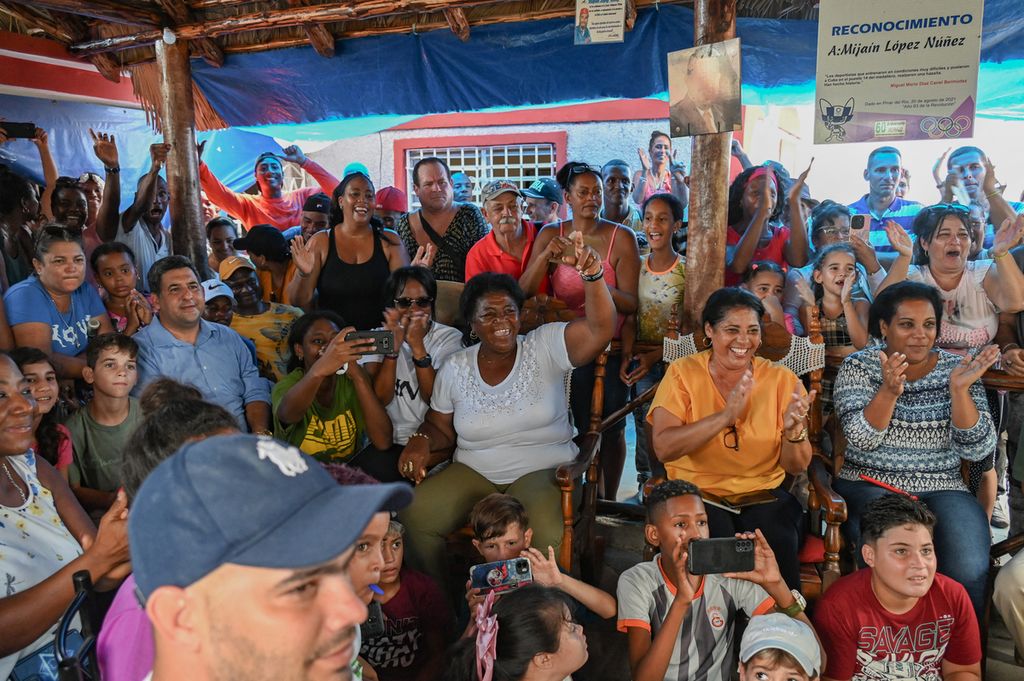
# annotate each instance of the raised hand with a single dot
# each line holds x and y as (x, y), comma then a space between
(158, 154)
(396, 322)
(303, 256)
(736, 149)
(416, 331)
(105, 148)
(556, 247)
(293, 154)
(424, 256)
(645, 159)
(109, 549)
(138, 303)
(846, 295)
(939, 164)
(1007, 237)
(736, 402)
(990, 183)
(41, 140)
(677, 166)
(970, 369)
(545, 570)
(806, 294)
(796, 413)
(899, 239)
(766, 568)
(893, 372)
(864, 252)
(798, 184)
(684, 590)
(340, 352)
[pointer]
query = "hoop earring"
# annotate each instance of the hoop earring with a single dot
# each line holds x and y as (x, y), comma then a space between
(472, 335)
(707, 342)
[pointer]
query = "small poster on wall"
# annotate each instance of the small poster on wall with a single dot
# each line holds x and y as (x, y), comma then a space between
(704, 89)
(599, 21)
(890, 71)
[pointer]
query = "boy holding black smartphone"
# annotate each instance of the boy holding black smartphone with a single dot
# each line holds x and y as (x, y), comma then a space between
(681, 625)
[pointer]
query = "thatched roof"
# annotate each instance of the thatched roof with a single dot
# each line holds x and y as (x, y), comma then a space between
(118, 35)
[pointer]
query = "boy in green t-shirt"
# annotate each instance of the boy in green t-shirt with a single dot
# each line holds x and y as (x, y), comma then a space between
(100, 430)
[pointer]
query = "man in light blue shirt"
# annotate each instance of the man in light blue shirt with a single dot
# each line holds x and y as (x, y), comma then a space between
(180, 344)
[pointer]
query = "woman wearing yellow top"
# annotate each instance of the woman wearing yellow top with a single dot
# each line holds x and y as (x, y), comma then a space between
(733, 423)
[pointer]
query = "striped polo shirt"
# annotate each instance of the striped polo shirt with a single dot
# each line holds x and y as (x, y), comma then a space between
(706, 646)
(900, 211)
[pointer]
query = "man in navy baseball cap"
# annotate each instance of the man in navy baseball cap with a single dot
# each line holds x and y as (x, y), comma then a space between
(240, 548)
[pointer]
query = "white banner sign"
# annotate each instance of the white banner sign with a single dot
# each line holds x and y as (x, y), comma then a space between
(599, 21)
(891, 70)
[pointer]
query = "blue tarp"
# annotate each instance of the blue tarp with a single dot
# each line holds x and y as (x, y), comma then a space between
(67, 124)
(527, 63)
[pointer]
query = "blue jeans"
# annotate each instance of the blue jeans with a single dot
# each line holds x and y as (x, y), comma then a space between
(962, 536)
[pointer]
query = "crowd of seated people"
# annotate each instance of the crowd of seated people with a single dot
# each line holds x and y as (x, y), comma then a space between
(311, 371)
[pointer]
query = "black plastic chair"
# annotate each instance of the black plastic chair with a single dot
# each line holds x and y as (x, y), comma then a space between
(79, 664)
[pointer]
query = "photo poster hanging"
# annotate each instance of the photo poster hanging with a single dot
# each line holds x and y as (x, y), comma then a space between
(599, 21)
(704, 89)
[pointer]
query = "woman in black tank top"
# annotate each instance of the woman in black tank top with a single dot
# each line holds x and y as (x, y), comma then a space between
(350, 262)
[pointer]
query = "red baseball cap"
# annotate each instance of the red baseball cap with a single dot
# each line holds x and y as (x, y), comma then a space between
(392, 198)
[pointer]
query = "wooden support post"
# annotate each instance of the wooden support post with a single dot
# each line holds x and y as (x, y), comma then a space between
(177, 116)
(713, 21)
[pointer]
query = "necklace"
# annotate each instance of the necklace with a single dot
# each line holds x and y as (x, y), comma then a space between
(69, 322)
(24, 499)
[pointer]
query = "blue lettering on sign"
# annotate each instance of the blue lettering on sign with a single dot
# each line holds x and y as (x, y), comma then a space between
(903, 24)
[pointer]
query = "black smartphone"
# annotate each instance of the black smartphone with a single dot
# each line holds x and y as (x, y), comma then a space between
(384, 341)
(715, 556)
(502, 575)
(18, 130)
(374, 624)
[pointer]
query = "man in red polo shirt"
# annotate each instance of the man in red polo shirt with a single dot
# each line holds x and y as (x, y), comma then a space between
(506, 248)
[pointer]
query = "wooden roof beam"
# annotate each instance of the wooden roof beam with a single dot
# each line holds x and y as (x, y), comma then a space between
(178, 12)
(458, 22)
(106, 10)
(67, 29)
(320, 38)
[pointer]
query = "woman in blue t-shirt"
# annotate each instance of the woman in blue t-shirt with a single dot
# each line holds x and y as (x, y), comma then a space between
(52, 310)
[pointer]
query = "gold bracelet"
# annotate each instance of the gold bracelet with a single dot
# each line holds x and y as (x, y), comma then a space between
(992, 193)
(1005, 253)
(800, 437)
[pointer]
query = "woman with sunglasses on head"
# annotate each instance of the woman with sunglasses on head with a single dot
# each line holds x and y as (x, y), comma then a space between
(973, 293)
(583, 188)
(348, 261)
(55, 309)
(735, 424)
(404, 381)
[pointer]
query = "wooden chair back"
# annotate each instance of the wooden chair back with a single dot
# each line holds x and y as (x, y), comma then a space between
(446, 306)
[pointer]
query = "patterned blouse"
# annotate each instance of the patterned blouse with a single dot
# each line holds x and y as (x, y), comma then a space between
(921, 449)
(466, 228)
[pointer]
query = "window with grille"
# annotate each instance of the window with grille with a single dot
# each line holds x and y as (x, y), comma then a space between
(519, 163)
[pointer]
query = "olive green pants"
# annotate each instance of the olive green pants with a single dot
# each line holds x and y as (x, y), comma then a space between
(441, 505)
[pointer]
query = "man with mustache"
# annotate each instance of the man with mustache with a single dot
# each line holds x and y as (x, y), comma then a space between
(881, 203)
(507, 247)
(261, 595)
(271, 205)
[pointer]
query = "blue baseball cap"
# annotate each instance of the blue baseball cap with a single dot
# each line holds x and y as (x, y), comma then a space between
(247, 500)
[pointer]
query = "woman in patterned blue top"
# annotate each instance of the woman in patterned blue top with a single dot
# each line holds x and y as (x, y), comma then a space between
(912, 413)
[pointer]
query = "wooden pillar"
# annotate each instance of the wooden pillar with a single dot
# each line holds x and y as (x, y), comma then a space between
(713, 21)
(177, 117)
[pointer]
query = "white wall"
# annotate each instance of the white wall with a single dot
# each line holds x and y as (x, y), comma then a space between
(594, 143)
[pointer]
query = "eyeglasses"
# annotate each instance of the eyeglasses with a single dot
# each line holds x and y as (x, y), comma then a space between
(89, 177)
(406, 303)
(731, 432)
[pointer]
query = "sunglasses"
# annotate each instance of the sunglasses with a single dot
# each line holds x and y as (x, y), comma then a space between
(406, 303)
(583, 169)
(949, 208)
(89, 177)
(731, 432)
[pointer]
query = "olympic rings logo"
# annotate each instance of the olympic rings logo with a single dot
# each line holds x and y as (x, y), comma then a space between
(945, 126)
